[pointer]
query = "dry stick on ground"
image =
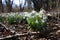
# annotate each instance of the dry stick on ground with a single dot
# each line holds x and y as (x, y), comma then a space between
(3, 26)
(20, 35)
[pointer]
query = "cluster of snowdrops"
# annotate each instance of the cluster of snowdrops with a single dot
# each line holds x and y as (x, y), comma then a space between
(35, 20)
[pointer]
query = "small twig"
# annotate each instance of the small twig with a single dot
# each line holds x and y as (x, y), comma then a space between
(20, 35)
(4, 26)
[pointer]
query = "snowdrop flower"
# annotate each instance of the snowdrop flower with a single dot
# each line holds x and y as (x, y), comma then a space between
(33, 11)
(42, 11)
(25, 12)
(37, 14)
(27, 15)
(44, 16)
(48, 14)
(11, 14)
(3, 15)
(32, 16)
(40, 16)
(43, 21)
(36, 21)
(26, 18)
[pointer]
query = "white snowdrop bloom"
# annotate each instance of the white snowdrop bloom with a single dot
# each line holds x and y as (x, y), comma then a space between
(48, 14)
(40, 16)
(43, 21)
(44, 16)
(26, 18)
(25, 12)
(42, 11)
(8, 13)
(32, 16)
(3, 15)
(33, 11)
(27, 15)
(36, 21)
(37, 14)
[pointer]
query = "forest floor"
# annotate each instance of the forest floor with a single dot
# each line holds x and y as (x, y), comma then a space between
(53, 32)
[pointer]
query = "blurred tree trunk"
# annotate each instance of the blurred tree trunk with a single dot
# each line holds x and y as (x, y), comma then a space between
(20, 7)
(46, 4)
(9, 5)
(28, 7)
(57, 3)
(37, 4)
(41, 4)
(1, 6)
(29, 4)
